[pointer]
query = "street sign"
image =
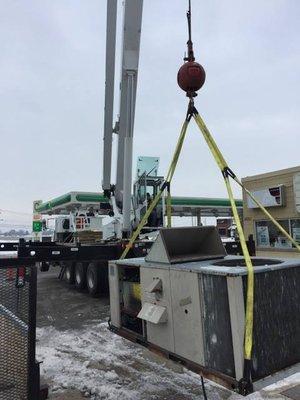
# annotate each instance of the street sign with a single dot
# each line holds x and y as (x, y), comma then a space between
(37, 217)
(37, 226)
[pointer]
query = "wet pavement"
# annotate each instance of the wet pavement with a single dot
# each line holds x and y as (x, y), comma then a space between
(61, 306)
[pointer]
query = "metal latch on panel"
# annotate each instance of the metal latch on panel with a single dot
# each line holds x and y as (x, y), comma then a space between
(153, 313)
(155, 286)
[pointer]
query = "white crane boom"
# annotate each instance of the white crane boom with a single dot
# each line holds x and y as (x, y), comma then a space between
(109, 91)
(132, 22)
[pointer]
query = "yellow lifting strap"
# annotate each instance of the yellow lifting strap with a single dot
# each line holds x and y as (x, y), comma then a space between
(250, 278)
(211, 143)
(177, 151)
(223, 165)
(172, 169)
(250, 274)
(141, 224)
(160, 192)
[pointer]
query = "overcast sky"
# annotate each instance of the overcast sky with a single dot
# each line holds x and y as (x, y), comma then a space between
(52, 93)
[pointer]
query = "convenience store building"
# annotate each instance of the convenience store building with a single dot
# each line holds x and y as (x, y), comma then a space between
(279, 192)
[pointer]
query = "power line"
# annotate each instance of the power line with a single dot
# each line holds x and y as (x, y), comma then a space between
(15, 212)
(8, 225)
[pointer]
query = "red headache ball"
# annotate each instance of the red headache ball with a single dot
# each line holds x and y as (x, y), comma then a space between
(191, 77)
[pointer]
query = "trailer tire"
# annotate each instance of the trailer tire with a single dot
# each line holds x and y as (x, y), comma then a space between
(70, 273)
(80, 275)
(93, 279)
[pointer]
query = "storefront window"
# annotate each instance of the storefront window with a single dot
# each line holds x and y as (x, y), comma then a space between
(268, 235)
(295, 229)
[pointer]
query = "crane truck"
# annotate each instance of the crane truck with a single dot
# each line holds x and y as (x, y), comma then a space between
(91, 228)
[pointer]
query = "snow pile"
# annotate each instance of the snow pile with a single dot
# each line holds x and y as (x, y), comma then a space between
(102, 365)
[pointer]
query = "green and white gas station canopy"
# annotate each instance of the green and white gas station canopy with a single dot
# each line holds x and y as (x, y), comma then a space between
(181, 206)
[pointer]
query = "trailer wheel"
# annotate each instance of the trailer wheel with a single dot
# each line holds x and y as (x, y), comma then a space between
(92, 279)
(44, 266)
(70, 273)
(80, 276)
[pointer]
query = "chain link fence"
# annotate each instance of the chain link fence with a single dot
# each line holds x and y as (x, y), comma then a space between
(19, 372)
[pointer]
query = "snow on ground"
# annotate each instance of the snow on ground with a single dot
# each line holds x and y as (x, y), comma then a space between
(275, 390)
(103, 365)
(289, 381)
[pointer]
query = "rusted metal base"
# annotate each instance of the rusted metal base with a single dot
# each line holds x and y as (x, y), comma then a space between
(216, 376)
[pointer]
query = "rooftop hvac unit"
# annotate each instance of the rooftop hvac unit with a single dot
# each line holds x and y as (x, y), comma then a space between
(192, 305)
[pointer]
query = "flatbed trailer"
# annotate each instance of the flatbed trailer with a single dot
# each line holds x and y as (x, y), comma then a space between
(82, 265)
(9, 246)
(86, 265)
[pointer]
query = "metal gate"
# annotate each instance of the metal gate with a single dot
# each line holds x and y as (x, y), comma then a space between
(19, 372)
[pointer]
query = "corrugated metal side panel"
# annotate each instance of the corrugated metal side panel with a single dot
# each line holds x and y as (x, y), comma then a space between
(217, 328)
(276, 339)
